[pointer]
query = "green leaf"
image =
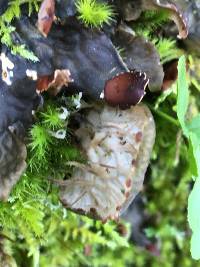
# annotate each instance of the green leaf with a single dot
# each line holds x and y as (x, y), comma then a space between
(192, 131)
(194, 125)
(195, 143)
(193, 207)
(183, 94)
(195, 245)
(191, 159)
(194, 219)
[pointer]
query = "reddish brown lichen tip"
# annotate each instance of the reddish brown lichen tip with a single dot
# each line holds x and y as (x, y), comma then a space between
(126, 89)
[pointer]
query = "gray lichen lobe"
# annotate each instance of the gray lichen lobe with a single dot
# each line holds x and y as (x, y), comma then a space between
(118, 145)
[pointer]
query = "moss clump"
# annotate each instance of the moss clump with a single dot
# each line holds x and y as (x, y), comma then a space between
(94, 14)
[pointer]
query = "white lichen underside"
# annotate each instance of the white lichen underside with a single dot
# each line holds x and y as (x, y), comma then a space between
(7, 69)
(118, 145)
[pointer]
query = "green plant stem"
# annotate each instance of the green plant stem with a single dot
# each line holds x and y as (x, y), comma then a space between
(36, 258)
(164, 116)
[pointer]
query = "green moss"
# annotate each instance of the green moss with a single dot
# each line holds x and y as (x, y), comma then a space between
(92, 13)
(51, 117)
(6, 28)
(167, 49)
(149, 22)
(40, 141)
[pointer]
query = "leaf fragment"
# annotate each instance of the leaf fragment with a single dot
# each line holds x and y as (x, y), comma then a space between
(194, 219)
(183, 94)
